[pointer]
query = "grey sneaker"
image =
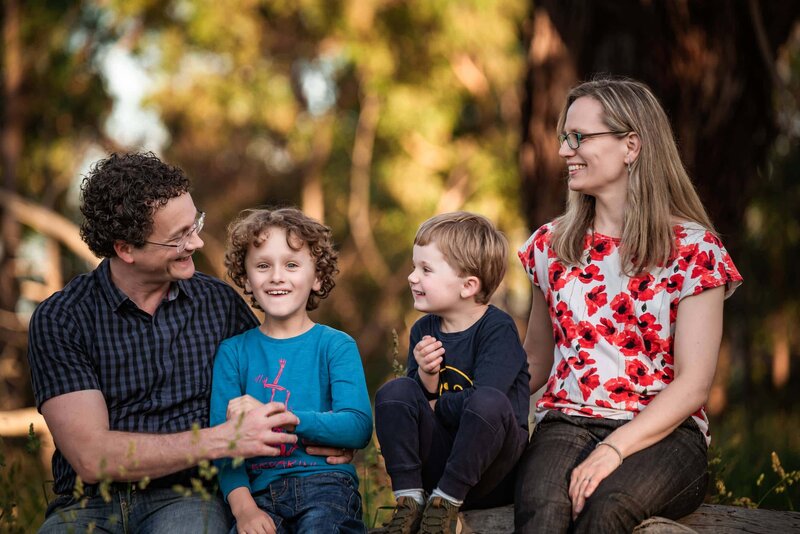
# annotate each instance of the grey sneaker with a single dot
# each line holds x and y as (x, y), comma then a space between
(440, 517)
(405, 518)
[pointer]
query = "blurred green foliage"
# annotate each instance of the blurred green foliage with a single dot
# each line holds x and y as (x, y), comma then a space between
(371, 115)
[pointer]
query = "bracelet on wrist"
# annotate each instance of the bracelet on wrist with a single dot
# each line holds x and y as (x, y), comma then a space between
(613, 447)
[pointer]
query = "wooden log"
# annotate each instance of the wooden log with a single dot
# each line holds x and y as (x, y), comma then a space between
(708, 519)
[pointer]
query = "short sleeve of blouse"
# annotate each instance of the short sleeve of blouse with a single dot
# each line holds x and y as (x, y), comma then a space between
(707, 265)
(533, 254)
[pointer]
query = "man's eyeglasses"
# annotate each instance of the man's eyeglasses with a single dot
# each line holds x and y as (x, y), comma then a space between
(574, 139)
(180, 246)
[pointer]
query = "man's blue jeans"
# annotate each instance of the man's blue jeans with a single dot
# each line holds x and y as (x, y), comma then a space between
(130, 510)
(323, 503)
(667, 479)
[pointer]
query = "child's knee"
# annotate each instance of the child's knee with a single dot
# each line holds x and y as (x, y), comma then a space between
(402, 388)
(489, 403)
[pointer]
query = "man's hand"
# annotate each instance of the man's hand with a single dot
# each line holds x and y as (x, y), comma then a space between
(334, 456)
(429, 354)
(257, 432)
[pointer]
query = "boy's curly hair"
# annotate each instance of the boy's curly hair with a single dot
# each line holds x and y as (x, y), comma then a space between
(119, 196)
(249, 228)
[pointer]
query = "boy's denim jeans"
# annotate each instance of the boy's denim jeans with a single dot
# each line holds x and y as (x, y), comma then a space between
(474, 462)
(667, 479)
(130, 510)
(323, 503)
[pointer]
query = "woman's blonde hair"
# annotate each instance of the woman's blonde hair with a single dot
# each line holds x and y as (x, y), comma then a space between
(658, 186)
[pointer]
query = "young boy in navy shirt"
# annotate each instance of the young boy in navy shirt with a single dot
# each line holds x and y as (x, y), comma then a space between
(456, 425)
(285, 262)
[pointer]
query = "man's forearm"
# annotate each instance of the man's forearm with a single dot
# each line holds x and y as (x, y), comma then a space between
(128, 456)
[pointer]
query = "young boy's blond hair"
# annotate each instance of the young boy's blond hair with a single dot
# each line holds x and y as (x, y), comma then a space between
(471, 245)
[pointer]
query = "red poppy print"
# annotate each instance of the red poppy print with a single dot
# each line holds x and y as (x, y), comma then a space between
(611, 319)
(541, 238)
(601, 248)
(581, 360)
(673, 310)
(713, 240)
(596, 299)
(556, 275)
(606, 328)
(622, 305)
(629, 343)
(639, 373)
(562, 370)
(590, 274)
(686, 256)
(641, 287)
(588, 382)
(562, 311)
(665, 374)
(647, 321)
(587, 335)
(653, 344)
(644, 399)
(705, 263)
(551, 400)
(620, 390)
(675, 283)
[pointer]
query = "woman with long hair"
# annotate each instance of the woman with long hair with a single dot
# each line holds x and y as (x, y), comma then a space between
(625, 324)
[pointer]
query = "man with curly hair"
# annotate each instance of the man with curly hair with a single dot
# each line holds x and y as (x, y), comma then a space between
(121, 362)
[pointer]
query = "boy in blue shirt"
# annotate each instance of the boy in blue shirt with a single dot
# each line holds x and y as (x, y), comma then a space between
(285, 262)
(457, 424)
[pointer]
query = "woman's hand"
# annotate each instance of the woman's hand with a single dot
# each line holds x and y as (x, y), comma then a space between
(588, 475)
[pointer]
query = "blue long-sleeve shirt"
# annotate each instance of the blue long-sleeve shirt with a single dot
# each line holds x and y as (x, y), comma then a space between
(318, 375)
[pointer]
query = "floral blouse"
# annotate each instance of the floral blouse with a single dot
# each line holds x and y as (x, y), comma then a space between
(614, 333)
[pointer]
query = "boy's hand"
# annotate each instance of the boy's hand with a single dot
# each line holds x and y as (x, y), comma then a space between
(429, 354)
(241, 405)
(249, 517)
(255, 521)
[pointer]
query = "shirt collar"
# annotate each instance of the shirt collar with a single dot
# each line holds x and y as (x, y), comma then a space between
(116, 296)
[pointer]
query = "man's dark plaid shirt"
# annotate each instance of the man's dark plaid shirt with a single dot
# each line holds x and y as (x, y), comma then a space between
(154, 371)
